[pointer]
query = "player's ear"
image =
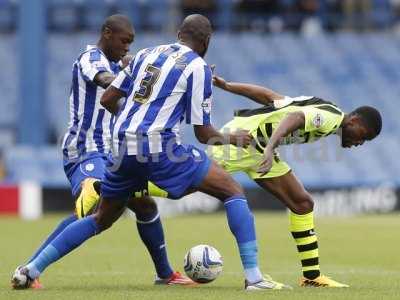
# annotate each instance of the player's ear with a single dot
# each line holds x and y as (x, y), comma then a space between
(107, 33)
(354, 119)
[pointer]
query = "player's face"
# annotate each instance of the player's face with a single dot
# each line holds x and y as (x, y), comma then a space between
(354, 134)
(120, 42)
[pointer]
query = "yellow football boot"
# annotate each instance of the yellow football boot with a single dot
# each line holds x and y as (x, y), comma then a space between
(321, 281)
(88, 198)
(155, 191)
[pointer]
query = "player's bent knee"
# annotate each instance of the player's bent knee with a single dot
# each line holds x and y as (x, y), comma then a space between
(226, 187)
(232, 188)
(229, 189)
(143, 206)
(304, 204)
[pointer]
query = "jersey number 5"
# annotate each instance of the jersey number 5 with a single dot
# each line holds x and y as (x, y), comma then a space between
(147, 83)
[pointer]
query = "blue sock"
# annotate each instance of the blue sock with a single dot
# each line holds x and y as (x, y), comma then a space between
(241, 224)
(151, 232)
(69, 239)
(64, 223)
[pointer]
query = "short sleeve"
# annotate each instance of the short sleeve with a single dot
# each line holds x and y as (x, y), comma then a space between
(320, 120)
(92, 63)
(124, 80)
(199, 96)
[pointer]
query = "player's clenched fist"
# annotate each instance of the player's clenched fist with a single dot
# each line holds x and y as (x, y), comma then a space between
(126, 60)
(219, 82)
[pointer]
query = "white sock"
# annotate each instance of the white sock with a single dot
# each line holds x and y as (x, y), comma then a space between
(253, 275)
(33, 271)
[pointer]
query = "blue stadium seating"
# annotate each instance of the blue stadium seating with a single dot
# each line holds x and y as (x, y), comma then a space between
(42, 164)
(350, 69)
(94, 13)
(63, 15)
(8, 86)
(69, 15)
(8, 14)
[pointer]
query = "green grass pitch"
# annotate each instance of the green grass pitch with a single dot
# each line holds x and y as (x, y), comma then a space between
(361, 251)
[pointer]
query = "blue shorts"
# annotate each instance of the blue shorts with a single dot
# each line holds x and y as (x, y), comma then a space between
(185, 167)
(90, 166)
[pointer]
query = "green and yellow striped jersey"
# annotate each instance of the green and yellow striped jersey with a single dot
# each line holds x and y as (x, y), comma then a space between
(322, 118)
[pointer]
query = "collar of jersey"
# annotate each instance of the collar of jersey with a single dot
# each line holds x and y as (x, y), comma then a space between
(90, 47)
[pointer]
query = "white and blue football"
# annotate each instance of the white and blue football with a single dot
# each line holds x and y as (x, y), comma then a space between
(203, 263)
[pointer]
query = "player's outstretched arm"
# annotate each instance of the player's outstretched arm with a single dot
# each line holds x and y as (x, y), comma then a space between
(289, 124)
(110, 99)
(254, 92)
(206, 134)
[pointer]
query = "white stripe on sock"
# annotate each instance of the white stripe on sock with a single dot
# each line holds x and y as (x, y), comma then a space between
(148, 222)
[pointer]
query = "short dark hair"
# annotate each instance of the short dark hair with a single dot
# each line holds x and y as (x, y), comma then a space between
(116, 23)
(371, 119)
(196, 27)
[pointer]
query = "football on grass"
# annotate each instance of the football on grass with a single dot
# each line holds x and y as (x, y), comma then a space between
(203, 263)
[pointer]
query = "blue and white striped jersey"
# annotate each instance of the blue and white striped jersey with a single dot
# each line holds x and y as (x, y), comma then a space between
(89, 125)
(163, 86)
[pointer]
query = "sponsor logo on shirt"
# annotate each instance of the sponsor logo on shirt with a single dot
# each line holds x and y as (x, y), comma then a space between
(89, 167)
(206, 105)
(318, 120)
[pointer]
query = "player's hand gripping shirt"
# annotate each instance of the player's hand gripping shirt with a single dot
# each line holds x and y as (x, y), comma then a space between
(89, 125)
(163, 85)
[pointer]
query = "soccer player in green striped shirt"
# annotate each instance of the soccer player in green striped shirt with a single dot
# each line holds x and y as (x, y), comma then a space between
(281, 121)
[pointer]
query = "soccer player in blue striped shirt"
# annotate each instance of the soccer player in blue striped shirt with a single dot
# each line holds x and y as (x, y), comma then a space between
(87, 143)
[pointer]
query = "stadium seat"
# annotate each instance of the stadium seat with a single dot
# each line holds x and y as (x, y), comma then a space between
(132, 9)
(93, 13)
(8, 87)
(8, 15)
(42, 165)
(156, 14)
(63, 15)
